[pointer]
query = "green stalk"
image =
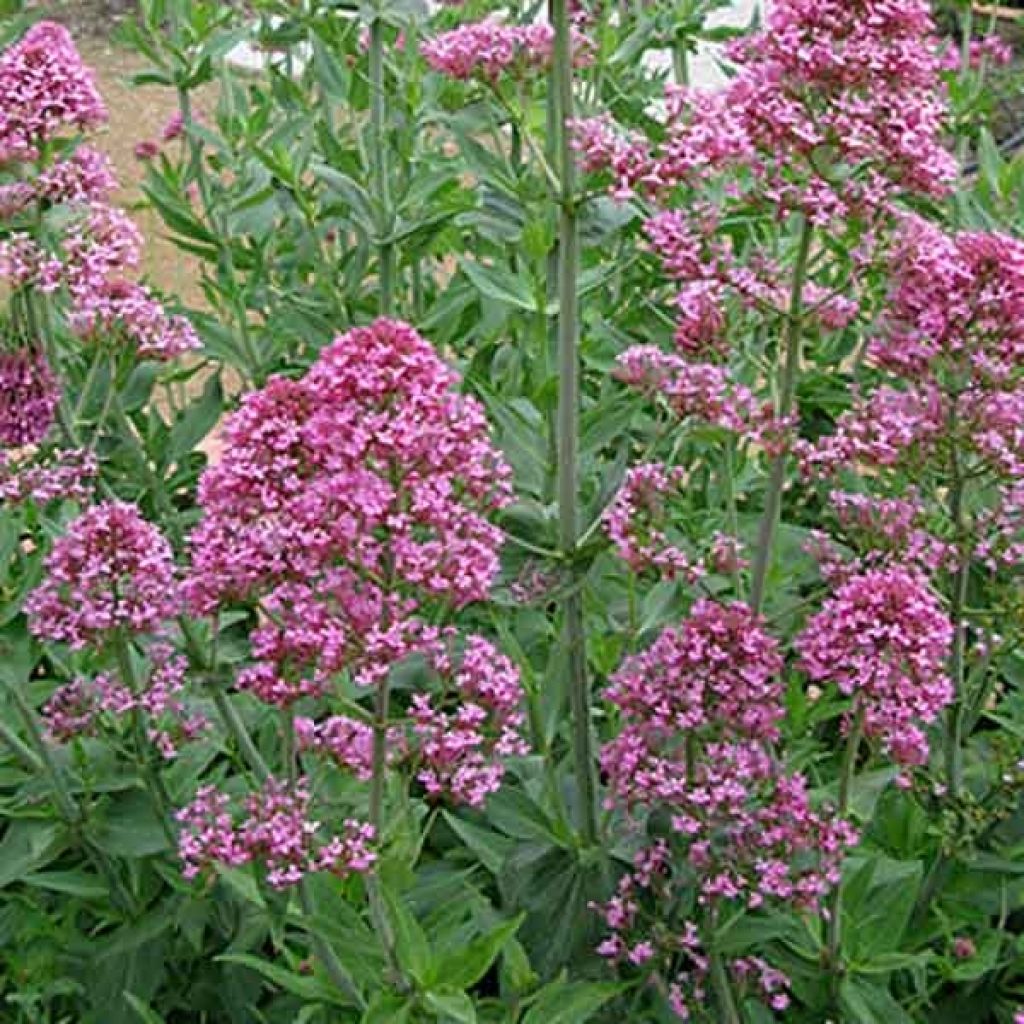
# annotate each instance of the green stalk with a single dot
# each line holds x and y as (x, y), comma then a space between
(143, 754)
(954, 726)
(71, 814)
(378, 132)
(787, 397)
(729, 1014)
(835, 921)
(568, 419)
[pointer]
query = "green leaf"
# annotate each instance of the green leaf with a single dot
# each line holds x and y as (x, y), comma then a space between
(145, 1014)
(865, 1003)
(878, 900)
(570, 1002)
(197, 420)
(27, 846)
(451, 1008)
(411, 944)
(500, 284)
(491, 848)
(75, 883)
(387, 1008)
(464, 968)
(308, 988)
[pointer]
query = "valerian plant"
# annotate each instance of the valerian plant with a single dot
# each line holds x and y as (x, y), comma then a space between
(565, 569)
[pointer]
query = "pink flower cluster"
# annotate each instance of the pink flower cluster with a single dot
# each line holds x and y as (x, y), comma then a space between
(367, 479)
(699, 712)
(638, 519)
(86, 176)
(464, 738)
(489, 49)
(29, 394)
(111, 572)
(347, 741)
(275, 832)
(991, 52)
(46, 89)
(83, 707)
(884, 640)
(66, 475)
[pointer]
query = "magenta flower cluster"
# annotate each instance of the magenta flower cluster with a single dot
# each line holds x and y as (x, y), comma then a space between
(29, 394)
(490, 50)
(275, 831)
(47, 90)
(884, 639)
(111, 574)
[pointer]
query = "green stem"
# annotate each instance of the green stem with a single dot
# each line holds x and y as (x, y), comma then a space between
(378, 132)
(954, 726)
(729, 1013)
(143, 750)
(568, 419)
(835, 920)
(67, 808)
(732, 511)
(787, 397)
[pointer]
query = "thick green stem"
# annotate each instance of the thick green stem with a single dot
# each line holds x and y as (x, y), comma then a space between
(378, 131)
(568, 419)
(787, 399)
(835, 905)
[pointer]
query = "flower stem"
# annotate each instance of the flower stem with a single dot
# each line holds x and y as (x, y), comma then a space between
(232, 722)
(561, 97)
(787, 397)
(835, 921)
(954, 725)
(378, 132)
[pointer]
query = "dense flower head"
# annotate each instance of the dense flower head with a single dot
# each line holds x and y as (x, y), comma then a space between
(889, 428)
(857, 79)
(101, 241)
(24, 262)
(81, 707)
(716, 675)
(490, 50)
(463, 739)
(46, 89)
(703, 391)
(275, 831)
(112, 571)
(639, 518)
(891, 529)
(29, 394)
(347, 741)
(956, 304)
(883, 638)
(370, 463)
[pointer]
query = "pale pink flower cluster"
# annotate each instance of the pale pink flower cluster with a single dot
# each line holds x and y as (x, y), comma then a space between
(990, 52)
(884, 639)
(46, 90)
(84, 177)
(29, 394)
(890, 530)
(347, 741)
(638, 520)
(64, 474)
(275, 832)
(491, 50)
(111, 573)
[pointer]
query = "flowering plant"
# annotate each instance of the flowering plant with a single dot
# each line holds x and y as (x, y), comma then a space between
(565, 570)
